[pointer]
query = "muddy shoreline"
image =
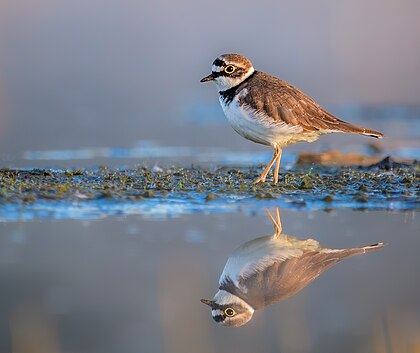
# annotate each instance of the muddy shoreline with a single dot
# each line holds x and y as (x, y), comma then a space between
(384, 183)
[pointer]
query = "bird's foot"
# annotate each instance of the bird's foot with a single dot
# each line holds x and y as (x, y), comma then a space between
(261, 179)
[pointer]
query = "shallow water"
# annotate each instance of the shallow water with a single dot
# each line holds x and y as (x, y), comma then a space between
(202, 135)
(134, 284)
(80, 272)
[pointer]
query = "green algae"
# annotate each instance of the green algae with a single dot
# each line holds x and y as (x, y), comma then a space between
(326, 184)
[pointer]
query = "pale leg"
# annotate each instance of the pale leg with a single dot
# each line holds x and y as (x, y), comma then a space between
(277, 167)
(276, 223)
(261, 179)
(276, 158)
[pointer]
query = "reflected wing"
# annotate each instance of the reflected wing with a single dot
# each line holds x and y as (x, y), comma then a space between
(284, 278)
(257, 255)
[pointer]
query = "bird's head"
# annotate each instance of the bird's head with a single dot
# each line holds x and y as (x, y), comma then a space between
(229, 70)
(229, 310)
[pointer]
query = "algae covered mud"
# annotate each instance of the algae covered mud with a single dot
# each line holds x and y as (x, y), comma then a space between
(92, 193)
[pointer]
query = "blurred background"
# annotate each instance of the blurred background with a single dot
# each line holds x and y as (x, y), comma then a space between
(88, 82)
(88, 74)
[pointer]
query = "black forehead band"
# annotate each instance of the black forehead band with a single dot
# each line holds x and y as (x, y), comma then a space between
(219, 62)
(216, 306)
(218, 318)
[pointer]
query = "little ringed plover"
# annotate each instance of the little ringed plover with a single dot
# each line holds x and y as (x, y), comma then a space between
(269, 269)
(270, 111)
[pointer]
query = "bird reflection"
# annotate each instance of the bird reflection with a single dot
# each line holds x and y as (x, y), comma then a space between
(269, 269)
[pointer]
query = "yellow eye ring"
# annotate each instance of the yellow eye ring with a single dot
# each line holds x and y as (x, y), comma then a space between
(229, 312)
(230, 69)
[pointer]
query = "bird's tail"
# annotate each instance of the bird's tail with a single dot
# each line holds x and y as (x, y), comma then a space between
(354, 129)
(363, 250)
(369, 132)
(370, 248)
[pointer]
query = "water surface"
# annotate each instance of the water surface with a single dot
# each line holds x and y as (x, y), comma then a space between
(133, 284)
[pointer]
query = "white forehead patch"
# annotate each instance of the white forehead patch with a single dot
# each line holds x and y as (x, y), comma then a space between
(216, 312)
(215, 68)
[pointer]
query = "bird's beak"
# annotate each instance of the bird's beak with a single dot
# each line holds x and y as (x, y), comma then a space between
(208, 302)
(208, 78)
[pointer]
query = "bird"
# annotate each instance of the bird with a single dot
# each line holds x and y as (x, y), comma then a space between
(269, 269)
(270, 111)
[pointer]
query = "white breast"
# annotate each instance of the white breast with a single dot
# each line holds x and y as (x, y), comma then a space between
(258, 127)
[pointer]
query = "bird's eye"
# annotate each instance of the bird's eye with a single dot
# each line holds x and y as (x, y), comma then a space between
(230, 69)
(230, 312)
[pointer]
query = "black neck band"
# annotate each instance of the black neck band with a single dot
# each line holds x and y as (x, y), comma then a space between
(229, 94)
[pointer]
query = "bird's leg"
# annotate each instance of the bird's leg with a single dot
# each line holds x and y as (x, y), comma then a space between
(276, 223)
(261, 179)
(277, 167)
(280, 228)
(278, 219)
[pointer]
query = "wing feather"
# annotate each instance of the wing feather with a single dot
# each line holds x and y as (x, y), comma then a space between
(282, 279)
(284, 103)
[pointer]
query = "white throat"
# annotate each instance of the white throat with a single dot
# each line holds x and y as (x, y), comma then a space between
(224, 83)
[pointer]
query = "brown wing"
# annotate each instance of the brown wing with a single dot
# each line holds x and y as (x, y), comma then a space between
(284, 102)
